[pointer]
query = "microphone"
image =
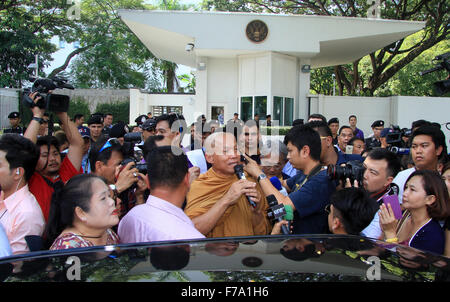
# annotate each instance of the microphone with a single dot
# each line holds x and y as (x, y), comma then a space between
(239, 170)
(276, 212)
(289, 215)
(277, 184)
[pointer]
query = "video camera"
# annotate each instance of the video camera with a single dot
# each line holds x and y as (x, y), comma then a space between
(48, 101)
(443, 86)
(394, 137)
(354, 170)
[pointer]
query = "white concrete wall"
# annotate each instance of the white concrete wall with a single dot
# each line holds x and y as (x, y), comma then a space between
(254, 75)
(140, 103)
(397, 110)
(223, 86)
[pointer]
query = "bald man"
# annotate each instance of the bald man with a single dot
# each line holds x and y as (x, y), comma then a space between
(217, 201)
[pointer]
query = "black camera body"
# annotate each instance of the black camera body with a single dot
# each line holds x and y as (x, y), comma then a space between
(394, 138)
(48, 101)
(142, 168)
(354, 170)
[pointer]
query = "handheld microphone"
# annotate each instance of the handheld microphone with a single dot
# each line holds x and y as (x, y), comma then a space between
(239, 170)
(277, 184)
(289, 215)
(276, 212)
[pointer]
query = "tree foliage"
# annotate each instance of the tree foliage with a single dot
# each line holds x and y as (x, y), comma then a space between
(384, 63)
(26, 27)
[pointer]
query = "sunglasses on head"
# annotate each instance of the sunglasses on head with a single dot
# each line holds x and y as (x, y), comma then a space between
(109, 143)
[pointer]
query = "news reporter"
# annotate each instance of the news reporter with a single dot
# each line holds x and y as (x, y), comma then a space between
(426, 201)
(82, 215)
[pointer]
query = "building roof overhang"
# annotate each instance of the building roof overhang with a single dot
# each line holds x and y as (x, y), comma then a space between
(325, 40)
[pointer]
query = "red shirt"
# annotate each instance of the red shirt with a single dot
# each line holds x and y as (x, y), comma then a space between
(43, 192)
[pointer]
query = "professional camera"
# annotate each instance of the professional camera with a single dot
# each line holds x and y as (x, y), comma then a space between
(354, 170)
(142, 168)
(443, 86)
(399, 151)
(48, 101)
(394, 137)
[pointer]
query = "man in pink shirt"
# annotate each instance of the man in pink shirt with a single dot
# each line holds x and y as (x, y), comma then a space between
(161, 218)
(20, 214)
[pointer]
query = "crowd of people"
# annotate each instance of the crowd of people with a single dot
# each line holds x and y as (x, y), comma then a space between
(110, 183)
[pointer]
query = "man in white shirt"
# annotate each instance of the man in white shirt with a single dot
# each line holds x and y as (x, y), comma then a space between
(381, 166)
(427, 148)
(161, 217)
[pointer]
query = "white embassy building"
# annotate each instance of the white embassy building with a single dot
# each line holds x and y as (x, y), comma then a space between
(250, 63)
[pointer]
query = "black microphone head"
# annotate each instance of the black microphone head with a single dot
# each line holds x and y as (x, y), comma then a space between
(238, 169)
(271, 198)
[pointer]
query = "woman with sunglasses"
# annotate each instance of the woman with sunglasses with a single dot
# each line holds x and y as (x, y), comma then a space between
(426, 201)
(82, 215)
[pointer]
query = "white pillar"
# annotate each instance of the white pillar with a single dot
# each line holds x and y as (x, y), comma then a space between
(303, 89)
(201, 88)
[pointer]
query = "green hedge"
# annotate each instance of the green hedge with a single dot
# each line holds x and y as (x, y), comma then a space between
(119, 110)
(79, 105)
(281, 130)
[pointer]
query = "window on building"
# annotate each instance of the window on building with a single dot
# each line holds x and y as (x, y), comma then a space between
(277, 113)
(288, 111)
(260, 106)
(246, 108)
(160, 110)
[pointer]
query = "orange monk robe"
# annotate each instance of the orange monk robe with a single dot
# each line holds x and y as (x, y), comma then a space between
(238, 218)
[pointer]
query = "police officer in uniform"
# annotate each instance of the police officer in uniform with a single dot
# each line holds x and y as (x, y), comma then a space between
(14, 120)
(374, 140)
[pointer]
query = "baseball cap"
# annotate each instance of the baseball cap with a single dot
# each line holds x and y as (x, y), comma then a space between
(385, 132)
(14, 114)
(378, 123)
(148, 124)
(84, 131)
(333, 120)
(141, 119)
(118, 130)
(95, 119)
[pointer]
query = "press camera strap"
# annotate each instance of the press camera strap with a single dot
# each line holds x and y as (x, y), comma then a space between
(313, 172)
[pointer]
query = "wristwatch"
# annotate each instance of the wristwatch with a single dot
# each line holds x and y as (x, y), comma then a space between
(262, 176)
(38, 119)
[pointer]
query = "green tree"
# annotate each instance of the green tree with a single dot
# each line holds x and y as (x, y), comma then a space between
(112, 56)
(386, 62)
(26, 27)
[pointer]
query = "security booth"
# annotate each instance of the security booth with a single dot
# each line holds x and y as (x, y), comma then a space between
(251, 63)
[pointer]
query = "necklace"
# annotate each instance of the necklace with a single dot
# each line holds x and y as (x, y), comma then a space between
(85, 236)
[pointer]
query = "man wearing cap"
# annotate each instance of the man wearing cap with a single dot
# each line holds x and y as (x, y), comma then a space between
(118, 131)
(95, 124)
(14, 121)
(374, 140)
(140, 119)
(148, 128)
(333, 123)
(383, 136)
(86, 135)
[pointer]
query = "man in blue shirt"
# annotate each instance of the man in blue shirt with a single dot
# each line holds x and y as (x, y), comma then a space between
(310, 189)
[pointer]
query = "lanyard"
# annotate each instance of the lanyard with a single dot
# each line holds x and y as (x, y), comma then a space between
(313, 172)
